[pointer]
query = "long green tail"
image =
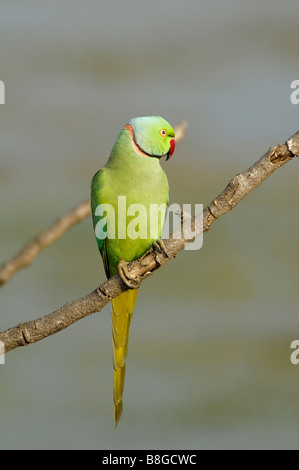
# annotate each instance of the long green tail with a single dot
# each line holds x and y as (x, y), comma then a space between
(122, 308)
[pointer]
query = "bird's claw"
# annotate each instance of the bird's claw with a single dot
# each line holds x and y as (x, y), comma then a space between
(131, 283)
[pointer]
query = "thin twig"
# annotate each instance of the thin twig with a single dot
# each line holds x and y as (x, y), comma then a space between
(30, 251)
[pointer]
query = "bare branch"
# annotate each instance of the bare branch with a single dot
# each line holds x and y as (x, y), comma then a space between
(29, 252)
(241, 185)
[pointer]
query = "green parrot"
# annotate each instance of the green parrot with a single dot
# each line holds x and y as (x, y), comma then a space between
(133, 171)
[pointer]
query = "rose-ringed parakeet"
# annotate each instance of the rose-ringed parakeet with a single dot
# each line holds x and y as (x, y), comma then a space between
(133, 171)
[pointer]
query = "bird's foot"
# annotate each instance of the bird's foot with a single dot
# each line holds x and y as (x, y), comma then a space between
(131, 283)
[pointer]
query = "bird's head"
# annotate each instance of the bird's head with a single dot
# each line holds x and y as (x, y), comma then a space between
(152, 136)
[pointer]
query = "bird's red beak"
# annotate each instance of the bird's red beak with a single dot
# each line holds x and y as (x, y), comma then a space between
(172, 148)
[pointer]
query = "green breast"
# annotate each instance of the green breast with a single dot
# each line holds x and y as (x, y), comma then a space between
(124, 183)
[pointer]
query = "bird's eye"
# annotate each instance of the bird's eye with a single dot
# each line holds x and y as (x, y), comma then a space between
(163, 132)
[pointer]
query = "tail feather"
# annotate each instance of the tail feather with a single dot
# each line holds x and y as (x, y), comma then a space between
(122, 308)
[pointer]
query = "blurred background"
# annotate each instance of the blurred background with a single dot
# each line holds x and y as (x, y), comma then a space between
(209, 354)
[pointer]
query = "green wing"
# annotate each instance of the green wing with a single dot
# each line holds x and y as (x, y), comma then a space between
(98, 197)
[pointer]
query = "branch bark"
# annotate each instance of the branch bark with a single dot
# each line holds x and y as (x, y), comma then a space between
(48, 236)
(136, 271)
(27, 254)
